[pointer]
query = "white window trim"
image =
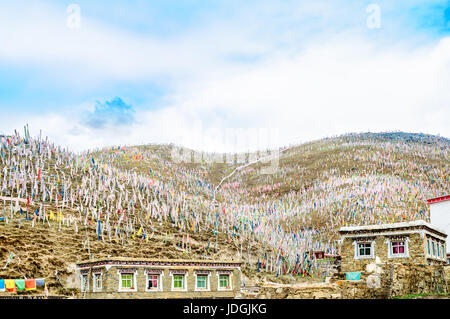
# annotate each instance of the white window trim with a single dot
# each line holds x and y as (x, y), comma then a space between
(160, 281)
(391, 254)
(184, 281)
(85, 289)
(208, 281)
(94, 286)
(372, 249)
(120, 282)
(438, 247)
(230, 281)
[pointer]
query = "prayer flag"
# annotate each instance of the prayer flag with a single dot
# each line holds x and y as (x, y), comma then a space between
(20, 284)
(10, 285)
(30, 284)
(40, 282)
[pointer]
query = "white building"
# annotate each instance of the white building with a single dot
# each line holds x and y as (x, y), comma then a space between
(440, 214)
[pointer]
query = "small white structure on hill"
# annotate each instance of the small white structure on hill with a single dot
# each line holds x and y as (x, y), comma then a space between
(440, 214)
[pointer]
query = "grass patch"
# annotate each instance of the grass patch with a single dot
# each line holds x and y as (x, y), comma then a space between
(416, 296)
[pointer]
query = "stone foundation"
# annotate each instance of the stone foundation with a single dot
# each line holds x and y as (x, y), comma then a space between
(391, 280)
(302, 291)
(378, 281)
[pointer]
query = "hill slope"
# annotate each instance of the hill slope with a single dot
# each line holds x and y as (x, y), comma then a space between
(138, 201)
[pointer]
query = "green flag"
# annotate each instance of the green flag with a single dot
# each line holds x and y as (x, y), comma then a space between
(20, 284)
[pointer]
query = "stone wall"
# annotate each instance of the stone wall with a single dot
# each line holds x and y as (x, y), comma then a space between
(378, 281)
(110, 282)
(396, 279)
(447, 276)
(305, 291)
(416, 248)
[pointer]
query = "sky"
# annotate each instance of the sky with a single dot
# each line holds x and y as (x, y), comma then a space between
(222, 75)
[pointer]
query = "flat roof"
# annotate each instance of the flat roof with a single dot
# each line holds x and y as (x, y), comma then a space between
(438, 199)
(126, 259)
(410, 224)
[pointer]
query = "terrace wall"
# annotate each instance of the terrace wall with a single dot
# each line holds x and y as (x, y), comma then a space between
(395, 279)
(378, 281)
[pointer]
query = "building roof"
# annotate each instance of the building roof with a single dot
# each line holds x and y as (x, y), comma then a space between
(438, 199)
(156, 260)
(392, 226)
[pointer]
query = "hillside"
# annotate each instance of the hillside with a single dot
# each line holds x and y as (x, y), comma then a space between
(138, 201)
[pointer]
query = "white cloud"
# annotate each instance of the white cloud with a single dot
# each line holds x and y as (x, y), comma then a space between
(321, 86)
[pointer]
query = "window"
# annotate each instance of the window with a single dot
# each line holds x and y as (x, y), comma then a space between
(434, 248)
(152, 282)
(84, 283)
(178, 282)
(364, 250)
(127, 281)
(224, 281)
(428, 244)
(443, 251)
(97, 282)
(202, 282)
(398, 248)
(438, 250)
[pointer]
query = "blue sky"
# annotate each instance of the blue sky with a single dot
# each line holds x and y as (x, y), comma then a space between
(308, 69)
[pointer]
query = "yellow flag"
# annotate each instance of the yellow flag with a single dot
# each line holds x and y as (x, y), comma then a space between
(146, 238)
(139, 231)
(51, 215)
(133, 236)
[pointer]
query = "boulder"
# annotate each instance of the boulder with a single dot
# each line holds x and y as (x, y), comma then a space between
(373, 281)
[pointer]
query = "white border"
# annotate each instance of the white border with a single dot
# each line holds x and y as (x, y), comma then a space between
(119, 273)
(184, 282)
(160, 281)
(372, 248)
(94, 288)
(389, 244)
(87, 282)
(208, 281)
(230, 281)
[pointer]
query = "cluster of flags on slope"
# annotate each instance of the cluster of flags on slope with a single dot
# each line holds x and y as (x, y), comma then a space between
(94, 186)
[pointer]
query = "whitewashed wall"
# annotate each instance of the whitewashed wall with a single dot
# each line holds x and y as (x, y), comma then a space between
(440, 217)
